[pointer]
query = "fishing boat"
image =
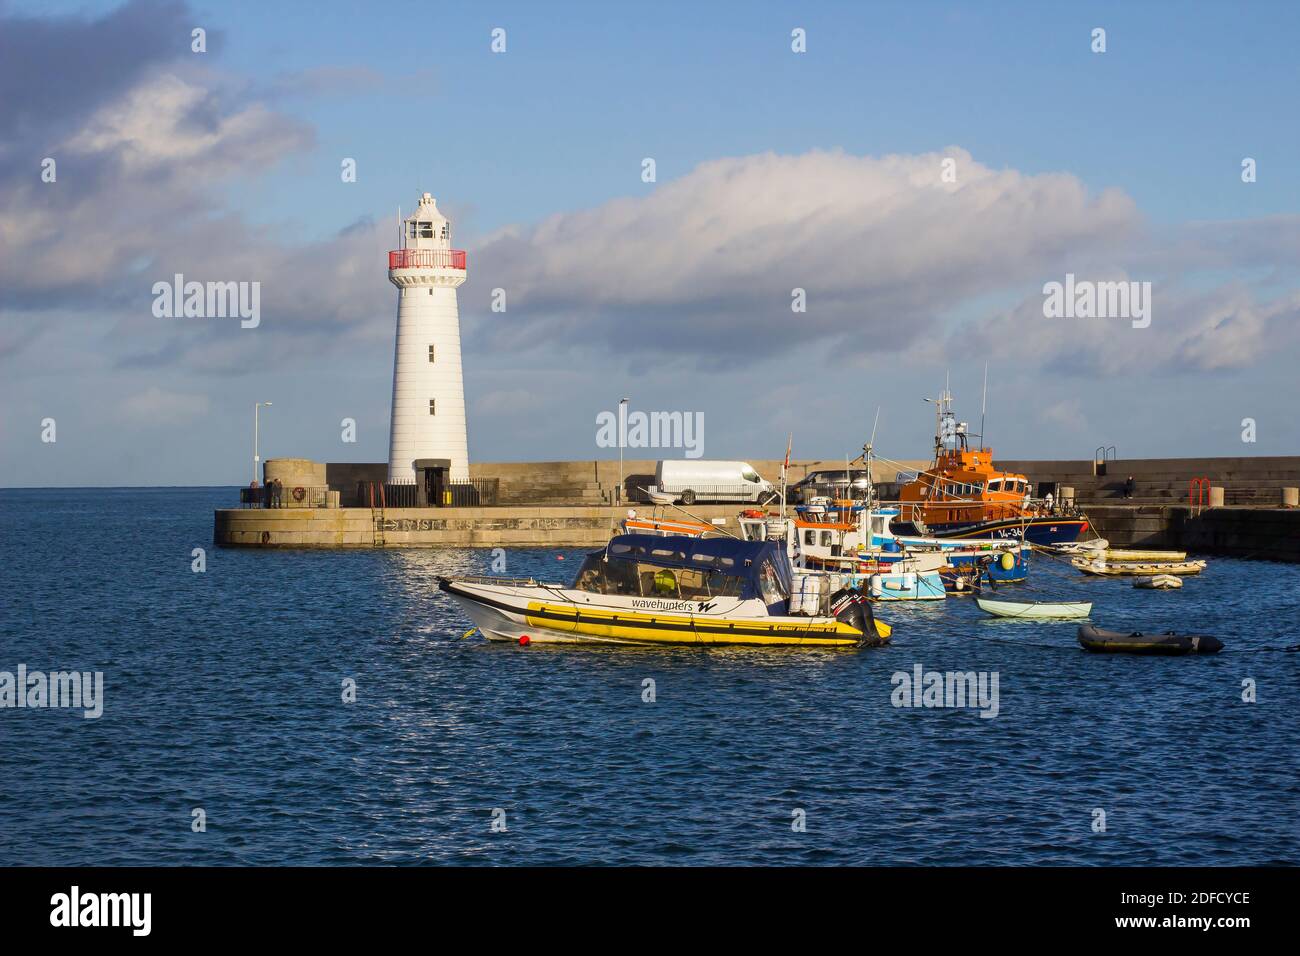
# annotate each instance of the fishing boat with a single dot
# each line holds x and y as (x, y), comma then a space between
(1003, 560)
(643, 589)
(820, 541)
(1158, 582)
(962, 495)
(1115, 642)
(1129, 554)
(1106, 569)
(1038, 610)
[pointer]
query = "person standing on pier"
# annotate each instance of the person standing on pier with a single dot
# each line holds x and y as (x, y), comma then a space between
(276, 493)
(1129, 485)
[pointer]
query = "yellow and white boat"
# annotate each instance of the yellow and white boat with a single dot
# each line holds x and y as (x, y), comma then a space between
(645, 589)
(1150, 557)
(1105, 569)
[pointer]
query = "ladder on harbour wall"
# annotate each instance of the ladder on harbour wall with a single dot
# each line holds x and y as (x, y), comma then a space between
(376, 514)
(1198, 495)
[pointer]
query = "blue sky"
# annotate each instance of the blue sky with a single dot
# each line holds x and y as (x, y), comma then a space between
(555, 130)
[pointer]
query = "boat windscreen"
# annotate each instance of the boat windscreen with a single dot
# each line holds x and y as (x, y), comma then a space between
(647, 579)
(686, 568)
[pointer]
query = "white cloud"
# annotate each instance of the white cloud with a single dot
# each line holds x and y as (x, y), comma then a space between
(1226, 327)
(880, 244)
(171, 124)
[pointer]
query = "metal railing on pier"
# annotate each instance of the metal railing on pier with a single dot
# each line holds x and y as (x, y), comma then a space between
(465, 493)
(299, 496)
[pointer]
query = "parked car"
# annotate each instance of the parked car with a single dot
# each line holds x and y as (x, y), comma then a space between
(691, 481)
(830, 483)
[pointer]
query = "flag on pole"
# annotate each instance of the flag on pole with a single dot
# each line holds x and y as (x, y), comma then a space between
(788, 445)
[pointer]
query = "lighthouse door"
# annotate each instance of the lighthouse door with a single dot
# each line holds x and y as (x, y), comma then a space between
(436, 486)
(434, 482)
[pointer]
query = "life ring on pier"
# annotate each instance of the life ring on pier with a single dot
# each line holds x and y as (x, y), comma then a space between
(299, 493)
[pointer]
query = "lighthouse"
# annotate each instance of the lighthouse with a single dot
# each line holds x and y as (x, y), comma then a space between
(428, 418)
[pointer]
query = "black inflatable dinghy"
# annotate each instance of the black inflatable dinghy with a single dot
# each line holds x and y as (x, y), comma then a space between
(1113, 642)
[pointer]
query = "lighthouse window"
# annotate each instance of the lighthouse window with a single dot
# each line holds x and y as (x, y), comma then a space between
(430, 353)
(426, 230)
(444, 231)
(432, 405)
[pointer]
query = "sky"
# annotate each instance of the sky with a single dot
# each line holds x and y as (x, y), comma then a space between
(922, 171)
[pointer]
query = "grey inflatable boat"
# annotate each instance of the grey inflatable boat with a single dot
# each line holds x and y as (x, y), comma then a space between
(1114, 642)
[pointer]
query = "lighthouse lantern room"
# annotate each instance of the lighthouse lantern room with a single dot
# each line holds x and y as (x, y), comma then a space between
(428, 416)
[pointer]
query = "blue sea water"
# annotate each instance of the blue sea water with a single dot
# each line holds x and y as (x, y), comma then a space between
(223, 691)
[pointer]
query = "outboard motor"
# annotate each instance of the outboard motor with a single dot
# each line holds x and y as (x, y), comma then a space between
(850, 607)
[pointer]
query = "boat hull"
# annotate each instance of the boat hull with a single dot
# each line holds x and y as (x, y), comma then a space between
(1040, 530)
(1035, 610)
(1150, 557)
(1158, 582)
(1121, 570)
(1113, 642)
(503, 614)
(923, 586)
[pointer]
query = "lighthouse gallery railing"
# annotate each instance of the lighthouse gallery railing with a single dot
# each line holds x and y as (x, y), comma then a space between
(426, 259)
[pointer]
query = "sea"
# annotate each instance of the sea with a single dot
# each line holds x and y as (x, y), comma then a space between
(328, 708)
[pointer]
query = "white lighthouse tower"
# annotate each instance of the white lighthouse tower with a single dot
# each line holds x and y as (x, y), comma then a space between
(428, 390)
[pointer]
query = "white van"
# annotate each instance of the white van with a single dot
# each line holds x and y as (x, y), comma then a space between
(690, 481)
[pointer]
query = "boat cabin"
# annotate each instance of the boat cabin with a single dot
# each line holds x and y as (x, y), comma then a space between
(688, 569)
(963, 486)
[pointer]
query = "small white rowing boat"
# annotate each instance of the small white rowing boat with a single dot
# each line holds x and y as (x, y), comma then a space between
(1080, 547)
(1035, 609)
(1159, 582)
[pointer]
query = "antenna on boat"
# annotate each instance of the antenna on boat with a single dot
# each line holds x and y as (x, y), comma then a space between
(866, 458)
(984, 403)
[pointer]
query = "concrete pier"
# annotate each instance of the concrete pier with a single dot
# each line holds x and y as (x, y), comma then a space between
(571, 504)
(519, 526)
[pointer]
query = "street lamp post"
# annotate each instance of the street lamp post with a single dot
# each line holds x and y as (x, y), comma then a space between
(622, 434)
(256, 406)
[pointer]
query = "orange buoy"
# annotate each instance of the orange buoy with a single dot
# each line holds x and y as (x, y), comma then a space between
(524, 640)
